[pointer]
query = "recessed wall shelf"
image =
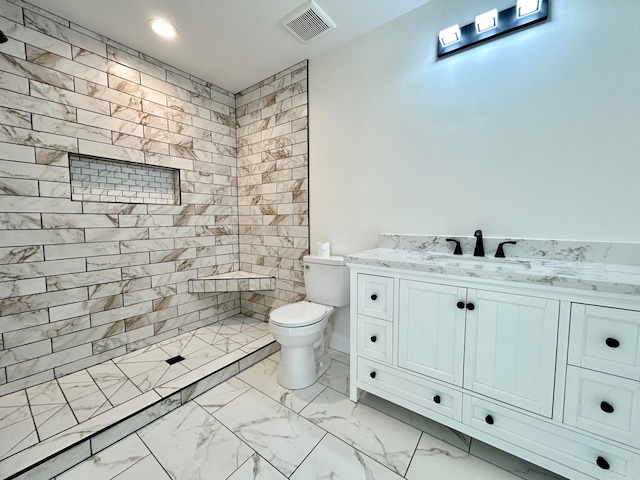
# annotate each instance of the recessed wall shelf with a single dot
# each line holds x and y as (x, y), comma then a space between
(95, 179)
(238, 281)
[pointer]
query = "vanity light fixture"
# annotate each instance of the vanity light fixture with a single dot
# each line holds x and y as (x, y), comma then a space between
(449, 36)
(487, 21)
(492, 24)
(163, 28)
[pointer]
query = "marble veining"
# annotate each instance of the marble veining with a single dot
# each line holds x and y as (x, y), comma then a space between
(225, 434)
(592, 276)
(563, 250)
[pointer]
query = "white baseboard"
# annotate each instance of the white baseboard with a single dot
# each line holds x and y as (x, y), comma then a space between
(339, 343)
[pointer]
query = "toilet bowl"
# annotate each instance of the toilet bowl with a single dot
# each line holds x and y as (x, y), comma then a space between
(302, 328)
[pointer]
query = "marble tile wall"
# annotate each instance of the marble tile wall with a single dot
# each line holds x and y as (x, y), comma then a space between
(100, 180)
(83, 282)
(273, 185)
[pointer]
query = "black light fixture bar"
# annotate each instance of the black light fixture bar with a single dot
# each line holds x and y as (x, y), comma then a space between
(508, 22)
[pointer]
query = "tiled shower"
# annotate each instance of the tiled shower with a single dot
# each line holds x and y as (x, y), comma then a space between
(88, 279)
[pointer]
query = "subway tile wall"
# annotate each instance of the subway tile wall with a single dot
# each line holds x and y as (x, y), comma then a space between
(85, 281)
(273, 186)
(100, 180)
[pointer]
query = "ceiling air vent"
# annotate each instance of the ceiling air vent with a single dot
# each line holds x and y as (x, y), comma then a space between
(307, 22)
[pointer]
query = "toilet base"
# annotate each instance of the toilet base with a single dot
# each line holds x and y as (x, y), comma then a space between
(300, 367)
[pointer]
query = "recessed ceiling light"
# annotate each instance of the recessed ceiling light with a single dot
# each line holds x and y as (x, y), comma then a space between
(163, 28)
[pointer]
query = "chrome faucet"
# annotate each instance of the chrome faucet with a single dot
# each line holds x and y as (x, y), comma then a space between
(479, 251)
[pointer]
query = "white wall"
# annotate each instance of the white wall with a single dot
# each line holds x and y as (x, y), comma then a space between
(535, 135)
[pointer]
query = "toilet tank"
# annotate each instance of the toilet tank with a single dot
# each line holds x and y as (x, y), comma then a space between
(326, 280)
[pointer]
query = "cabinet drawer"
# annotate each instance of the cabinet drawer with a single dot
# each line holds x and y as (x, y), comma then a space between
(375, 296)
(605, 339)
(421, 392)
(563, 446)
(618, 418)
(375, 338)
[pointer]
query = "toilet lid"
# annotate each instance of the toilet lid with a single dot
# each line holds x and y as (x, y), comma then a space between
(299, 314)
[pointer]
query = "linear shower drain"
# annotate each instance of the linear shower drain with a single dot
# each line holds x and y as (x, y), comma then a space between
(176, 359)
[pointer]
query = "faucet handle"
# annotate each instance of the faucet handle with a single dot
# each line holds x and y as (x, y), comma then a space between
(458, 249)
(500, 251)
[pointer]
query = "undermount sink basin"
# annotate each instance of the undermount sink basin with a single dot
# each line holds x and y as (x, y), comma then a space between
(484, 263)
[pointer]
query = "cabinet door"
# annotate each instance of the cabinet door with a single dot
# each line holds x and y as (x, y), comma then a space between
(431, 330)
(511, 345)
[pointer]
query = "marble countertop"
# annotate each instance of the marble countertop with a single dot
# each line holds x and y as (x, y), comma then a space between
(600, 277)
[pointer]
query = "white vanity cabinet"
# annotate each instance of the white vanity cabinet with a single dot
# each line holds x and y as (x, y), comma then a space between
(540, 372)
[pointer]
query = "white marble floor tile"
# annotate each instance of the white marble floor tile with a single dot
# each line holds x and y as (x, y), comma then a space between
(190, 444)
(52, 419)
(107, 376)
(184, 345)
(278, 434)
(333, 459)
(161, 373)
(379, 436)
(17, 436)
(436, 459)
(511, 463)
(226, 345)
(262, 376)
(257, 468)
(122, 393)
(110, 462)
(220, 395)
(146, 469)
(47, 393)
(433, 428)
(199, 357)
(336, 377)
(339, 356)
(13, 408)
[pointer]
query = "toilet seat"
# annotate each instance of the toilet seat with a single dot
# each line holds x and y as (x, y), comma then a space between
(299, 314)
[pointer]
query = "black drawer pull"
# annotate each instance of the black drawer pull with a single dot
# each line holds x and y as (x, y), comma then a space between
(460, 305)
(606, 407)
(372, 374)
(612, 342)
(489, 419)
(374, 297)
(602, 463)
(436, 399)
(470, 306)
(374, 338)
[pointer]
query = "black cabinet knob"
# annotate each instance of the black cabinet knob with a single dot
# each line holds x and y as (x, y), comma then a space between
(470, 306)
(372, 374)
(460, 305)
(436, 399)
(606, 407)
(489, 419)
(602, 463)
(374, 338)
(374, 297)
(612, 342)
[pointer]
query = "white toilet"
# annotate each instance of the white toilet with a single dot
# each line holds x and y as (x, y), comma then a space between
(302, 329)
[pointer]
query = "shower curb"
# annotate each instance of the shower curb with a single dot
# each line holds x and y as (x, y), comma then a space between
(74, 445)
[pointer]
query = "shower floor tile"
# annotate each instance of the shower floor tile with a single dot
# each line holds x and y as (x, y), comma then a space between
(59, 407)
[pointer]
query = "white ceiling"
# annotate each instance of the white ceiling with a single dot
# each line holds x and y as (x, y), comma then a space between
(230, 43)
